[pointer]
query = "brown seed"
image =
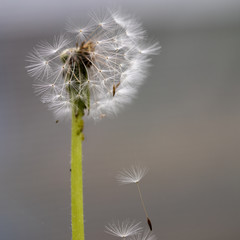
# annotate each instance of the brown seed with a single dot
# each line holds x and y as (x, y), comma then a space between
(149, 223)
(57, 121)
(114, 90)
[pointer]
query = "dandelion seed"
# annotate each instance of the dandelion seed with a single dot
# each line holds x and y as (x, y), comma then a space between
(135, 175)
(103, 62)
(123, 229)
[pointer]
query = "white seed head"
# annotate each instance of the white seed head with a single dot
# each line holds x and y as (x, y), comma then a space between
(123, 229)
(132, 175)
(102, 64)
(146, 235)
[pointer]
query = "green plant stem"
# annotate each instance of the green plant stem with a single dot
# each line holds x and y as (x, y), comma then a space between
(76, 177)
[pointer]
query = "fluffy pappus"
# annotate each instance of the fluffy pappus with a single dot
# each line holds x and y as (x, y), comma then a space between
(123, 229)
(134, 174)
(98, 67)
(146, 235)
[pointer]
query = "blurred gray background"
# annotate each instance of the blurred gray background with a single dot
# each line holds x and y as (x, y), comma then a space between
(184, 126)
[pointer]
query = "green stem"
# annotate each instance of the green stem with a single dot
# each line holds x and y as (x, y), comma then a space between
(76, 177)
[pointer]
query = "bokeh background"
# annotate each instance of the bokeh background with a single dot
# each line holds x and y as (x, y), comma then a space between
(183, 126)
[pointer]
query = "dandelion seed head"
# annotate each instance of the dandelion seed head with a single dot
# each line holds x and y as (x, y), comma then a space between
(101, 64)
(132, 175)
(123, 229)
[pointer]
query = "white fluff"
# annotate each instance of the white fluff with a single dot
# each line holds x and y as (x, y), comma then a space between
(146, 235)
(132, 175)
(120, 58)
(123, 229)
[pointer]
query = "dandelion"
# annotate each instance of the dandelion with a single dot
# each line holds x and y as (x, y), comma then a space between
(97, 70)
(123, 229)
(135, 175)
(93, 71)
